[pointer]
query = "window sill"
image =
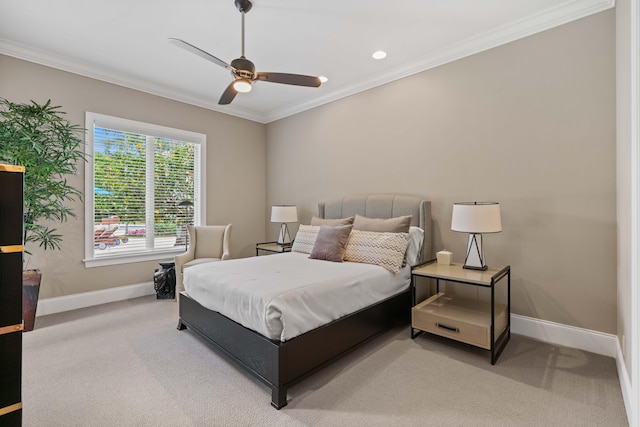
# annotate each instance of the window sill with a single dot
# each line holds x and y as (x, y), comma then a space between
(128, 259)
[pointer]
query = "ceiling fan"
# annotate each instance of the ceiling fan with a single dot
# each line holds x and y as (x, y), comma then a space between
(243, 71)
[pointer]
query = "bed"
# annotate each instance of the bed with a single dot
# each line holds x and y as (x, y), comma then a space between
(281, 361)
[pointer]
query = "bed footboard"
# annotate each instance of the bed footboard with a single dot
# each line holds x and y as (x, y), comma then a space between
(281, 364)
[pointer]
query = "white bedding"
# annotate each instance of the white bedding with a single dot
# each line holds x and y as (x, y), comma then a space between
(285, 295)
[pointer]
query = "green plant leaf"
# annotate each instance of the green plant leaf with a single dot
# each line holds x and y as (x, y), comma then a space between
(38, 137)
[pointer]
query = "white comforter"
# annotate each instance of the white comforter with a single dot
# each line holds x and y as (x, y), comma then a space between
(285, 295)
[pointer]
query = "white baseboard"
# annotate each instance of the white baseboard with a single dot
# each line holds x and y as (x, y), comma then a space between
(543, 330)
(583, 339)
(87, 299)
(625, 384)
(568, 336)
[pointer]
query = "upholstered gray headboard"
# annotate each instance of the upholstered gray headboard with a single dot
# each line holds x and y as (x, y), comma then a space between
(384, 206)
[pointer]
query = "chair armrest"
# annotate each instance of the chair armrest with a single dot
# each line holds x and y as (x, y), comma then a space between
(226, 252)
(184, 258)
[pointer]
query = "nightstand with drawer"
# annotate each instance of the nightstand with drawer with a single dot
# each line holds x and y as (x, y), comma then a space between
(484, 324)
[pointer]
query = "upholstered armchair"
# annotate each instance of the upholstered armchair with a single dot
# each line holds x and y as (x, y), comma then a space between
(207, 243)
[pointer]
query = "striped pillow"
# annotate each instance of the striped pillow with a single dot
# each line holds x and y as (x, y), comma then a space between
(305, 238)
(371, 247)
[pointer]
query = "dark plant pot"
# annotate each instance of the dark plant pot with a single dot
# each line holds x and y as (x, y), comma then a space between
(30, 290)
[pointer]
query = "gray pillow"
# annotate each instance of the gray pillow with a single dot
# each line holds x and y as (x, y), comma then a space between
(331, 243)
(399, 224)
(331, 221)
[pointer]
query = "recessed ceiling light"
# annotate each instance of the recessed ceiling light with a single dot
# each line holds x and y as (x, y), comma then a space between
(323, 79)
(379, 54)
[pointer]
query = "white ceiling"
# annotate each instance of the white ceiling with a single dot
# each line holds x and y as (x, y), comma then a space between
(125, 42)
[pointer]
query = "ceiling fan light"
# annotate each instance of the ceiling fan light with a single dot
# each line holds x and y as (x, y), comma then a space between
(242, 86)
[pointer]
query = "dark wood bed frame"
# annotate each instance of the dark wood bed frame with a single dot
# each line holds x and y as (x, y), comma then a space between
(281, 364)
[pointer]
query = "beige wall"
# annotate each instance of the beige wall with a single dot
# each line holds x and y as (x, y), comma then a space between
(235, 168)
(530, 124)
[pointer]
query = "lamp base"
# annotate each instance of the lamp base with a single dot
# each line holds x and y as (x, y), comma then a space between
(475, 254)
(472, 267)
(284, 238)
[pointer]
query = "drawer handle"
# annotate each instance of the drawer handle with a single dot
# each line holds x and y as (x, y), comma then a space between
(448, 328)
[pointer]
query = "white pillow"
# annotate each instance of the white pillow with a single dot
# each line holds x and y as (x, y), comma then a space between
(372, 247)
(305, 238)
(414, 248)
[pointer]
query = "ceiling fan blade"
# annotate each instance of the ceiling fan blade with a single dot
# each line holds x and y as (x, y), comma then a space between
(242, 69)
(201, 53)
(289, 79)
(228, 95)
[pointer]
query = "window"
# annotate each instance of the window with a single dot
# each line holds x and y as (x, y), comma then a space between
(148, 184)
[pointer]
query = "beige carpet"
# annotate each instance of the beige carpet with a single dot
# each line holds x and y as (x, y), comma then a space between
(125, 364)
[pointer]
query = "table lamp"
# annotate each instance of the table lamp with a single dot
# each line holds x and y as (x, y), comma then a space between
(476, 218)
(284, 214)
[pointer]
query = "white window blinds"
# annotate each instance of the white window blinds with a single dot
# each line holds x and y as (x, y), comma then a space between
(147, 186)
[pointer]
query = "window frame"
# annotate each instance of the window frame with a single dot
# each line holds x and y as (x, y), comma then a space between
(127, 125)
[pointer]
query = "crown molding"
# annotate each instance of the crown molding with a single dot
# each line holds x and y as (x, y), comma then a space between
(550, 18)
(48, 59)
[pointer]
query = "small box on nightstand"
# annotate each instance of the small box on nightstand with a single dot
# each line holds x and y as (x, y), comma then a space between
(445, 257)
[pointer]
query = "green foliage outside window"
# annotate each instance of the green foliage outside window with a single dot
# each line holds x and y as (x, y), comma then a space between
(120, 179)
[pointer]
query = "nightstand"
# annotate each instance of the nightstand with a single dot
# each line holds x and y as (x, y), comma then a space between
(484, 324)
(273, 247)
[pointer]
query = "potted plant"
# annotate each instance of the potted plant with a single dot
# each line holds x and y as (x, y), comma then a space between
(38, 137)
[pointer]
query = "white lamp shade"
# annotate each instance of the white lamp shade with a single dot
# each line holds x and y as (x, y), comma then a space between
(283, 214)
(476, 217)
